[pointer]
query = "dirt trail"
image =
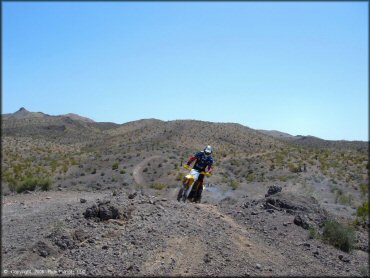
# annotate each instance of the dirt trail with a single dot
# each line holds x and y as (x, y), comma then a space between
(159, 237)
(137, 172)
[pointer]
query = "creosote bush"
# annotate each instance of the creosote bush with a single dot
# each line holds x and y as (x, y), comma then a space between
(158, 186)
(115, 166)
(338, 235)
(364, 189)
(234, 184)
(30, 183)
(363, 212)
(313, 233)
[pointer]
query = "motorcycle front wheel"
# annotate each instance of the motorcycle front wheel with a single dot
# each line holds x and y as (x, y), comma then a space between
(181, 192)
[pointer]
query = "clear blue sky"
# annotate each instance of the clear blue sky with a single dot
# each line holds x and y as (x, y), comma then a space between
(296, 67)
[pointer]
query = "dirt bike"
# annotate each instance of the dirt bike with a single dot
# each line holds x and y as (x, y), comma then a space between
(187, 184)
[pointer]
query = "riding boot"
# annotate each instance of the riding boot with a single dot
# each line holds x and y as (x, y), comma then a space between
(198, 196)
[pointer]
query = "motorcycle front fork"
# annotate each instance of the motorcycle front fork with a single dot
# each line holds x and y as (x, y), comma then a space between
(187, 188)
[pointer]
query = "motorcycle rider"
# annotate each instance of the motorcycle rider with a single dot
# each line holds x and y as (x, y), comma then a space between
(203, 160)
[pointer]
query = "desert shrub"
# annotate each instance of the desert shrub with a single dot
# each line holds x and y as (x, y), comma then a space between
(294, 168)
(234, 184)
(345, 199)
(283, 178)
(158, 186)
(12, 184)
(93, 171)
(27, 184)
(65, 167)
(338, 235)
(312, 233)
(53, 165)
(337, 190)
(364, 270)
(340, 197)
(363, 212)
(45, 184)
(145, 170)
(115, 166)
(235, 162)
(122, 172)
(251, 177)
(364, 189)
(279, 158)
(30, 183)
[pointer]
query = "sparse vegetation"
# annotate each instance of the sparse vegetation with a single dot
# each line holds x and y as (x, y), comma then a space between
(30, 183)
(364, 189)
(338, 235)
(283, 178)
(341, 197)
(313, 233)
(345, 199)
(234, 184)
(158, 186)
(115, 166)
(362, 213)
(294, 168)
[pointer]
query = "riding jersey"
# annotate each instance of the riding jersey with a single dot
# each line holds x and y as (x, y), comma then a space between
(201, 162)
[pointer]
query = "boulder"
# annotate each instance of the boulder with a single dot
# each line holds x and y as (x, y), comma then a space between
(132, 195)
(299, 221)
(43, 249)
(62, 239)
(108, 212)
(103, 212)
(273, 190)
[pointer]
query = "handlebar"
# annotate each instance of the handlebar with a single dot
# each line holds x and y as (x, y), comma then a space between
(206, 174)
(203, 173)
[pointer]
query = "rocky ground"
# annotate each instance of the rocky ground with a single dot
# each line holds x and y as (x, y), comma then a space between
(111, 207)
(70, 233)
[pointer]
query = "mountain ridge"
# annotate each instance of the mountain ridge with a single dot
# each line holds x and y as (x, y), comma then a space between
(307, 140)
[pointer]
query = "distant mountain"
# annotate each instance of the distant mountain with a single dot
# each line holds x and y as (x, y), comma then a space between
(23, 113)
(78, 118)
(315, 142)
(67, 128)
(276, 134)
(185, 133)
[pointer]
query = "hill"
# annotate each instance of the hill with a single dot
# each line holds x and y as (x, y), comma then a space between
(137, 167)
